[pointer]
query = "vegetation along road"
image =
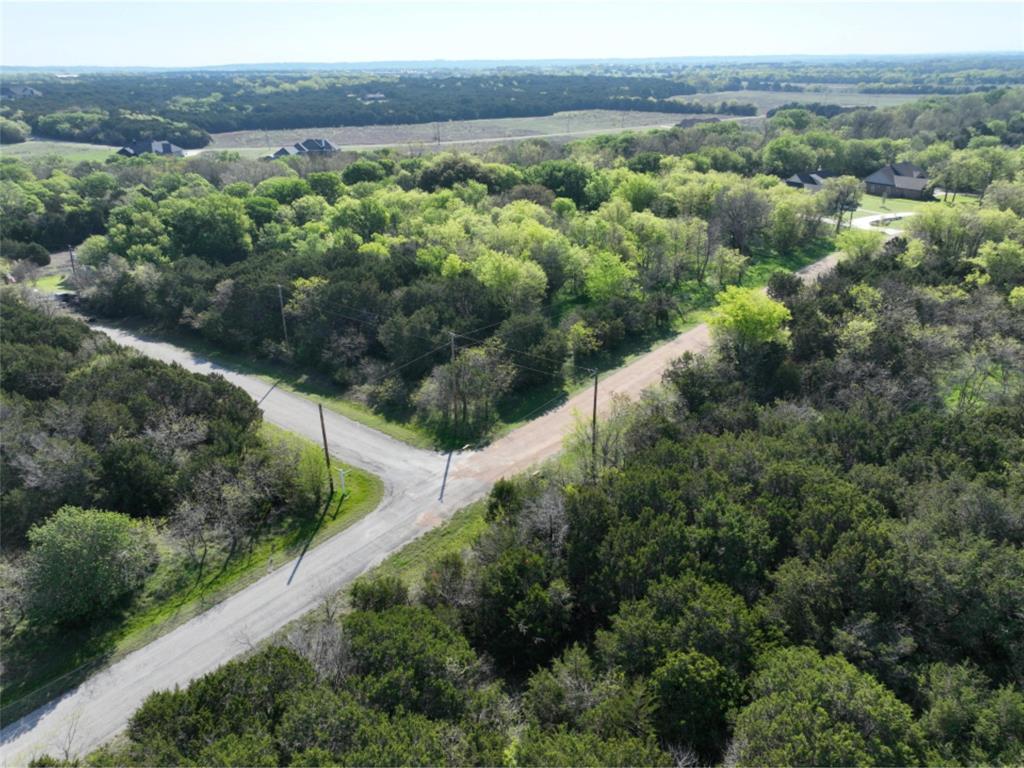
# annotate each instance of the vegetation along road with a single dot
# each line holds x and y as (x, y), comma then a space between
(99, 708)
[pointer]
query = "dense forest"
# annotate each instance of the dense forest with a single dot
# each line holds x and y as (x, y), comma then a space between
(803, 549)
(543, 261)
(186, 106)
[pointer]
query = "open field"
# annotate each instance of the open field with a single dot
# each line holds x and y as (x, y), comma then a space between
(765, 100)
(41, 666)
(425, 135)
(465, 134)
(71, 150)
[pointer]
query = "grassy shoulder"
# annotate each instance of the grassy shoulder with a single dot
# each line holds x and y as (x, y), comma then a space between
(454, 535)
(43, 664)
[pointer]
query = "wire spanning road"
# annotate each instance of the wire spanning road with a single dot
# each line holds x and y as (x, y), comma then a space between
(99, 708)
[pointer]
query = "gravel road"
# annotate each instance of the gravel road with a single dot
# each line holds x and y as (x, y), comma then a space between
(99, 708)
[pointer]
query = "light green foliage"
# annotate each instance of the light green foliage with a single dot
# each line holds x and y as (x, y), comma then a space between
(82, 562)
(514, 283)
(638, 190)
(967, 721)
(13, 131)
(860, 243)
(608, 277)
(1001, 264)
(746, 318)
(215, 228)
(839, 195)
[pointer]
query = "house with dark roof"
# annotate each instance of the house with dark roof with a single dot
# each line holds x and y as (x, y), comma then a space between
(809, 181)
(899, 180)
(152, 147)
(307, 147)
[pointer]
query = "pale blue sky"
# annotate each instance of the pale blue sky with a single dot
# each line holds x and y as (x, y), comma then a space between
(147, 33)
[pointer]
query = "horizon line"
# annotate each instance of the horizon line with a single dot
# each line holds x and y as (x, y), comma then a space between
(390, 63)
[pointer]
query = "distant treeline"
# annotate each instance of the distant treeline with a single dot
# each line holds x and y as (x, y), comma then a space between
(187, 106)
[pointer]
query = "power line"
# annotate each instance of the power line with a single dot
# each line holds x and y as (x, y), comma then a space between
(397, 368)
(536, 356)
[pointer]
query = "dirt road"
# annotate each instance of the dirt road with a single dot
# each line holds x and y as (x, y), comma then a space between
(98, 709)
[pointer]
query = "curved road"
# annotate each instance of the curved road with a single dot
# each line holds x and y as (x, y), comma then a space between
(99, 708)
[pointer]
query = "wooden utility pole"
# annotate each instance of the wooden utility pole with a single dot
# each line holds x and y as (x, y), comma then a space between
(593, 429)
(327, 454)
(74, 267)
(455, 380)
(284, 324)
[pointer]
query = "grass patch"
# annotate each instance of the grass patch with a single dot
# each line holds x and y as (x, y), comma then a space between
(69, 150)
(871, 205)
(49, 284)
(766, 100)
(39, 665)
(411, 561)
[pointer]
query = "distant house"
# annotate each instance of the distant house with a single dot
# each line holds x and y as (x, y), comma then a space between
(18, 92)
(152, 147)
(899, 180)
(809, 181)
(307, 147)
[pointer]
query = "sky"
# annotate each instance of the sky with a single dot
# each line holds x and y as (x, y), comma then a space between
(194, 33)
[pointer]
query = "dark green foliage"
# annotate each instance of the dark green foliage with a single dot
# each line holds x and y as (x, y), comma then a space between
(378, 594)
(694, 695)
(407, 658)
(545, 748)
(524, 611)
(33, 252)
(90, 424)
(809, 710)
(238, 706)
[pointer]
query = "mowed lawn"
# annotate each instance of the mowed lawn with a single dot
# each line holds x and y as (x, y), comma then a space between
(871, 205)
(70, 150)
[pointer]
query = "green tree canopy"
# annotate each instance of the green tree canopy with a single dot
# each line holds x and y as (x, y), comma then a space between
(81, 562)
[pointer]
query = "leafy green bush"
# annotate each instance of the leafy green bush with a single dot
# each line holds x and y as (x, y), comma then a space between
(82, 562)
